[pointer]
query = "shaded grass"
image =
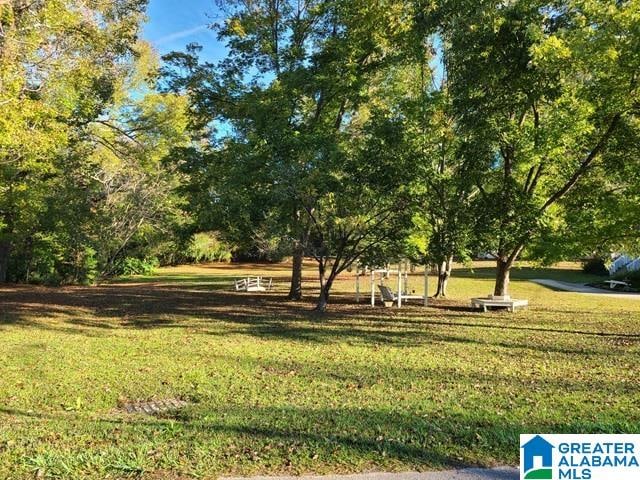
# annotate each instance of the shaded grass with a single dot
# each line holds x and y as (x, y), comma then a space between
(564, 271)
(276, 388)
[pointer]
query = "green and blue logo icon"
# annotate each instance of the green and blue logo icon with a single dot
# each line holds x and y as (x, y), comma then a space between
(579, 456)
(536, 459)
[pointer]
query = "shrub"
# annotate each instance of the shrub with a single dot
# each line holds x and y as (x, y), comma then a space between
(207, 247)
(136, 266)
(81, 267)
(595, 266)
(46, 256)
(52, 259)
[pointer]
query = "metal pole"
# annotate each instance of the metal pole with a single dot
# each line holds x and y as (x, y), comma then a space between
(399, 285)
(426, 285)
(373, 289)
(357, 284)
(406, 277)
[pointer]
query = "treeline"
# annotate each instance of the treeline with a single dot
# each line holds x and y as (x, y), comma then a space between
(87, 187)
(343, 130)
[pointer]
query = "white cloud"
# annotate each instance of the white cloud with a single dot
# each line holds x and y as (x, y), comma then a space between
(178, 35)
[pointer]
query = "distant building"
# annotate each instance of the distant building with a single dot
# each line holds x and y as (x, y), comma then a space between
(623, 263)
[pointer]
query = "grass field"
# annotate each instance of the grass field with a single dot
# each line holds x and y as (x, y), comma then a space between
(274, 388)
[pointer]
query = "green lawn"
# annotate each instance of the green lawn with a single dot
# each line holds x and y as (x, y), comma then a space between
(274, 388)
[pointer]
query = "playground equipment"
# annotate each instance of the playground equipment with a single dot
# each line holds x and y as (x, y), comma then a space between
(387, 295)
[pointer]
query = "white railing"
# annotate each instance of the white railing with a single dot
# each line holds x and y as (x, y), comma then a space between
(252, 284)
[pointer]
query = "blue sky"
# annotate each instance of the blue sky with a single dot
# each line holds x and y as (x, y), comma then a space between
(173, 24)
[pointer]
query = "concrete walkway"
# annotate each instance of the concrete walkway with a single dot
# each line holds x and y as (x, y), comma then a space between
(582, 288)
(499, 473)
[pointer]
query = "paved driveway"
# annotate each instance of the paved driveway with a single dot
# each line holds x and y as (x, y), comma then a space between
(582, 288)
(500, 473)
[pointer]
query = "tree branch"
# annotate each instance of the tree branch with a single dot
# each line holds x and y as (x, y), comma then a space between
(584, 165)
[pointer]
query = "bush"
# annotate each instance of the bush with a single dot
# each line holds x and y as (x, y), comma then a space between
(82, 267)
(44, 261)
(136, 266)
(595, 266)
(51, 259)
(264, 247)
(207, 247)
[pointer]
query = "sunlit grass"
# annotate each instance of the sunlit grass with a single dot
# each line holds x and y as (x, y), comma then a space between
(276, 388)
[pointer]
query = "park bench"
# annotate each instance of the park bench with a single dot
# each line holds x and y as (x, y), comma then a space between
(388, 296)
(252, 284)
(495, 301)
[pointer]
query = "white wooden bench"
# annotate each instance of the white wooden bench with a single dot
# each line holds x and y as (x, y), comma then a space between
(503, 302)
(252, 284)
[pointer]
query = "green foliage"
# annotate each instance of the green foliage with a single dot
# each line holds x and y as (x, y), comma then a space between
(91, 185)
(136, 266)
(304, 105)
(207, 247)
(265, 244)
(82, 140)
(549, 91)
(341, 129)
(52, 259)
(86, 265)
(47, 254)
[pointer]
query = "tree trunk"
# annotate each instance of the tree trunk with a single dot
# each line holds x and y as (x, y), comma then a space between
(444, 273)
(323, 299)
(295, 292)
(5, 251)
(439, 289)
(502, 276)
(325, 287)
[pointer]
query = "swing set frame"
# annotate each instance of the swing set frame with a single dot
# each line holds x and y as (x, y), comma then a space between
(402, 273)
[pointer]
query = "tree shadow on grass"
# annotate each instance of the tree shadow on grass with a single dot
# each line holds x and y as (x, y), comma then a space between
(291, 438)
(452, 307)
(98, 311)
(294, 439)
(296, 434)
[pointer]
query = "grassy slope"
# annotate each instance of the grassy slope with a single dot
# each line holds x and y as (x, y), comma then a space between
(277, 389)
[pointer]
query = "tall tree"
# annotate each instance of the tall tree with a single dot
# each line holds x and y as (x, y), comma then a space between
(296, 76)
(59, 63)
(547, 85)
(360, 202)
(255, 97)
(132, 172)
(451, 177)
(446, 167)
